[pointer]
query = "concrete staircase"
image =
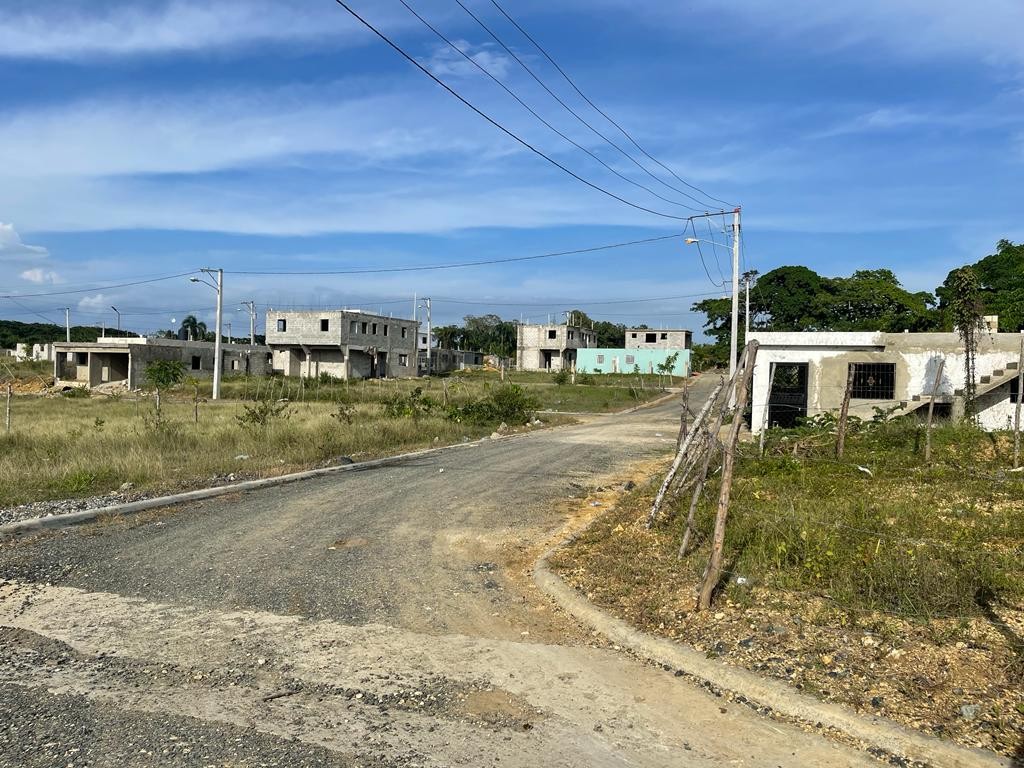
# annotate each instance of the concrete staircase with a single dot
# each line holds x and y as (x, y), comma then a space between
(986, 383)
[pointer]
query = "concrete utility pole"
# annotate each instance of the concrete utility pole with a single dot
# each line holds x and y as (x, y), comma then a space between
(430, 362)
(229, 332)
(118, 320)
(252, 321)
(218, 275)
(734, 336)
(67, 324)
(746, 315)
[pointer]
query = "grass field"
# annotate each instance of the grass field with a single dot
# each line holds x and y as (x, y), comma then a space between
(877, 580)
(68, 447)
(612, 392)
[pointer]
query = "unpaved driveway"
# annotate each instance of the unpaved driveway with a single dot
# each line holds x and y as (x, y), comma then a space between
(374, 618)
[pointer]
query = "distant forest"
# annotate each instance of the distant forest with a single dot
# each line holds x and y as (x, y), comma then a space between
(12, 332)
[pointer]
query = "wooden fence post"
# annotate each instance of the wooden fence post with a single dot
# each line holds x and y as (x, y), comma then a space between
(714, 569)
(931, 411)
(767, 407)
(195, 404)
(681, 454)
(1016, 413)
(844, 413)
(682, 419)
(702, 480)
(8, 419)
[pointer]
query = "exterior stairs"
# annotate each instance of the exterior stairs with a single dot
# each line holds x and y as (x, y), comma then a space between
(986, 383)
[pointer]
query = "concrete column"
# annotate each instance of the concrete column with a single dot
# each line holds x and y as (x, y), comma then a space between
(959, 408)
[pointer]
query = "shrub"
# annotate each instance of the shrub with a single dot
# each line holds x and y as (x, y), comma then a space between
(585, 378)
(509, 403)
(561, 377)
(411, 406)
(261, 414)
(164, 374)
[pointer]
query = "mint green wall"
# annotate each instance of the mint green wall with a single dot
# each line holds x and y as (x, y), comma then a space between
(647, 359)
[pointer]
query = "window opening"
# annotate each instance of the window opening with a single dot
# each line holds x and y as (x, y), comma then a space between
(874, 381)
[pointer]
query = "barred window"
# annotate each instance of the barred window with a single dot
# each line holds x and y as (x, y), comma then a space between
(874, 381)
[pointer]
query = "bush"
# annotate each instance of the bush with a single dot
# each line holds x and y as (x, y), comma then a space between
(509, 403)
(411, 406)
(585, 378)
(261, 414)
(561, 377)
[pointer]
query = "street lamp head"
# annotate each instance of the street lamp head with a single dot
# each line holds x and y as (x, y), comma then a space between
(193, 279)
(688, 241)
(113, 307)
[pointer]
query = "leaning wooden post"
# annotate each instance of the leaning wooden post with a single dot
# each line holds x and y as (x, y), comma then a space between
(714, 570)
(767, 408)
(844, 413)
(681, 454)
(682, 418)
(195, 404)
(1016, 413)
(691, 515)
(931, 411)
(9, 389)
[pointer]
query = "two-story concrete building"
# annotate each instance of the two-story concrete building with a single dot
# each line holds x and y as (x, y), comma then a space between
(542, 347)
(343, 343)
(649, 338)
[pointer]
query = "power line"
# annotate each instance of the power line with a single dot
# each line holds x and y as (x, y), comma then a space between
(570, 110)
(96, 288)
(533, 112)
(605, 115)
(456, 265)
(495, 123)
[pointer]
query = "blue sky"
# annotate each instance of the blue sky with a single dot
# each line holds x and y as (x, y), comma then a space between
(142, 140)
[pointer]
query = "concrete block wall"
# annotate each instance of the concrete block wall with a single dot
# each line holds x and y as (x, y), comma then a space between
(649, 338)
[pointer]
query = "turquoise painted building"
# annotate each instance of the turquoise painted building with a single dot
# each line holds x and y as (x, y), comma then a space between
(606, 360)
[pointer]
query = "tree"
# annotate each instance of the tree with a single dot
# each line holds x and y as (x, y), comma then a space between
(489, 334)
(448, 336)
(164, 374)
(194, 328)
(964, 300)
(1000, 284)
(609, 335)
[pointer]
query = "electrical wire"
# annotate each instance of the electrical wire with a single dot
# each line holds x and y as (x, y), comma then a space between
(14, 296)
(533, 112)
(412, 60)
(456, 265)
(604, 114)
(571, 111)
(714, 250)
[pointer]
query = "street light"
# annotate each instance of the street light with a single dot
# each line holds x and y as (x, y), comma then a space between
(218, 275)
(118, 320)
(734, 333)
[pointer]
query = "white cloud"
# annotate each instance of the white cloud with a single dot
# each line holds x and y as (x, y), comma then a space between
(40, 276)
(71, 30)
(11, 246)
(447, 62)
(97, 301)
(214, 131)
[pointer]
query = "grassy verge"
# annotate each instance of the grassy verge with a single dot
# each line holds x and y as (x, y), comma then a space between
(77, 447)
(896, 590)
(603, 396)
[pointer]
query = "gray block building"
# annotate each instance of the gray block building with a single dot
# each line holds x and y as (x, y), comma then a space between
(542, 347)
(343, 343)
(649, 338)
(123, 360)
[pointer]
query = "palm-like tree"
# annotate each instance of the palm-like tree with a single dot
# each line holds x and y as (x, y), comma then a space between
(193, 328)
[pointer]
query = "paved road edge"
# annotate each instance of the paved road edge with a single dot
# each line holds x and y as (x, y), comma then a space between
(874, 731)
(157, 502)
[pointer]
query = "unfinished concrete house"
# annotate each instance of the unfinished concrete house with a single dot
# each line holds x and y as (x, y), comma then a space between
(123, 360)
(804, 374)
(648, 338)
(343, 343)
(550, 347)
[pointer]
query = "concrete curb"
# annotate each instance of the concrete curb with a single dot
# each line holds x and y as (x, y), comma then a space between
(874, 731)
(85, 515)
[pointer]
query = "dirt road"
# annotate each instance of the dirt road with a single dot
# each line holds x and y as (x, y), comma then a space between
(376, 618)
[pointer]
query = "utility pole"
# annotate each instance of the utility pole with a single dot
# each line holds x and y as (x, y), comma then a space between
(218, 275)
(229, 332)
(430, 362)
(118, 320)
(734, 336)
(67, 324)
(746, 315)
(252, 321)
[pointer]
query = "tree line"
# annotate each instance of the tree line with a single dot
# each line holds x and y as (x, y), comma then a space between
(796, 298)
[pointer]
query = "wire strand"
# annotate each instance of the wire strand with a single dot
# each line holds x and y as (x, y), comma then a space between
(412, 60)
(604, 114)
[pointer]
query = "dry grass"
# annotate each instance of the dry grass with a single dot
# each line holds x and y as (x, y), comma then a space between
(70, 447)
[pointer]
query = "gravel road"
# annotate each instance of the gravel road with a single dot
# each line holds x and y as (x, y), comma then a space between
(377, 618)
